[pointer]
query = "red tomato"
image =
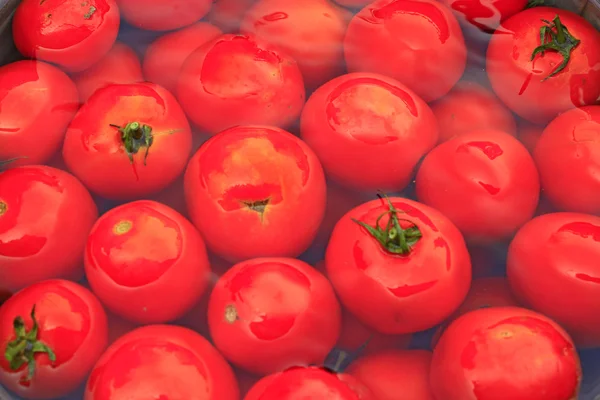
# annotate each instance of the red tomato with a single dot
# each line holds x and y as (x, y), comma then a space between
(37, 102)
(420, 263)
(392, 372)
(485, 181)
(45, 217)
(311, 31)
(530, 88)
(146, 262)
(255, 183)
(128, 141)
(505, 353)
(418, 43)
(228, 14)
(529, 134)
(243, 77)
(568, 156)
(471, 107)
(52, 333)
(485, 14)
(353, 3)
(162, 362)
(119, 65)
(74, 34)
(359, 123)
(165, 56)
(163, 15)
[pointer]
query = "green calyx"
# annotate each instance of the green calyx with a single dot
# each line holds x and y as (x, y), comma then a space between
(4, 163)
(393, 238)
(535, 3)
(22, 350)
(554, 36)
(136, 136)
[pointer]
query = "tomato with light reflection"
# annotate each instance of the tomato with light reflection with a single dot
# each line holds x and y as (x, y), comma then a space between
(255, 191)
(162, 362)
(128, 141)
(505, 353)
(358, 123)
(417, 42)
(66, 326)
(485, 14)
(163, 15)
(538, 90)
(409, 261)
(484, 181)
(45, 217)
(74, 34)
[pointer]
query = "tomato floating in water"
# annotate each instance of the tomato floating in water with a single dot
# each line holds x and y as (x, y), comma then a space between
(163, 15)
(485, 14)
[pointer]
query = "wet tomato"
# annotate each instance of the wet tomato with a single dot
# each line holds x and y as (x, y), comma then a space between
(45, 217)
(74, 34)
(146, 262)
(37, 102)
(539, 89)
(485, 14)
(163, 15)
(51, 335)
(505, 353)
(228, 14)
(248, 186)
(128, 141)
(485, 181)
(406, 258)
(162, 362)
(418, 43)
(243, 77)
(358, 124)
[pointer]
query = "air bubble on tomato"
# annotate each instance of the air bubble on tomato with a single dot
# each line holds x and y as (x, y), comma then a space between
(163, 15)
(483, 14)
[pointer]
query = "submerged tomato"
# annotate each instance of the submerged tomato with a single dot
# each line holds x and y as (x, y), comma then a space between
(256, 191)
(413, 282)
(228, 14)
(529, 134)
(418, 42)
(163, 15)
(505, 353)
(71, 335)
(162, 362)
(74, 34)
(45, 217)
(485, 14)
(37, 102)
(359, 123)
(128, 141)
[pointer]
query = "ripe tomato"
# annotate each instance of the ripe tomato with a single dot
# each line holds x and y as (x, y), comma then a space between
(52, 333)
(128, 141)
(254, 183)
(74, 34)
(228, 14)
(162, 362)
(485, 14)
(538, 90)
(243, 77)
(146, 262)
(163, 15)
(119, 65)
(392, 372)
(165, 56)
(505, 353)
(310, 31)
(45, 217)
(471, 107)
(37, 102)
(405, 257)
(418, 43)
(485, 181)
(358, 124)
(529, 134)
(572, 139)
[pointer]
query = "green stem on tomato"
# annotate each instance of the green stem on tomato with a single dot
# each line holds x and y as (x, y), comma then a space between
(3, 163)
(135, 136)
(535, 3)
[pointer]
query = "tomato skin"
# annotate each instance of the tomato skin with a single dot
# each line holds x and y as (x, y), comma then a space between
(358, 123)
(165, 56)
(518, 81)
(71, 322)
(228, 14)
(162, 361)
(94, 152)
(70, 33)
(379, 41)
(47, 216)
(497, 353)
(34, 97)
(485, 181)
(163, 15)
(484, 14)
(396, 289)
(243, 77)
(263, 164)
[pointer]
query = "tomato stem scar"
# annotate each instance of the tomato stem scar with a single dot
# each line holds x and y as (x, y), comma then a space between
(122, 227)
(3, 208)
(90, 12)
(259, 205)
(231, 314)
(135, 136)
(554, 36)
